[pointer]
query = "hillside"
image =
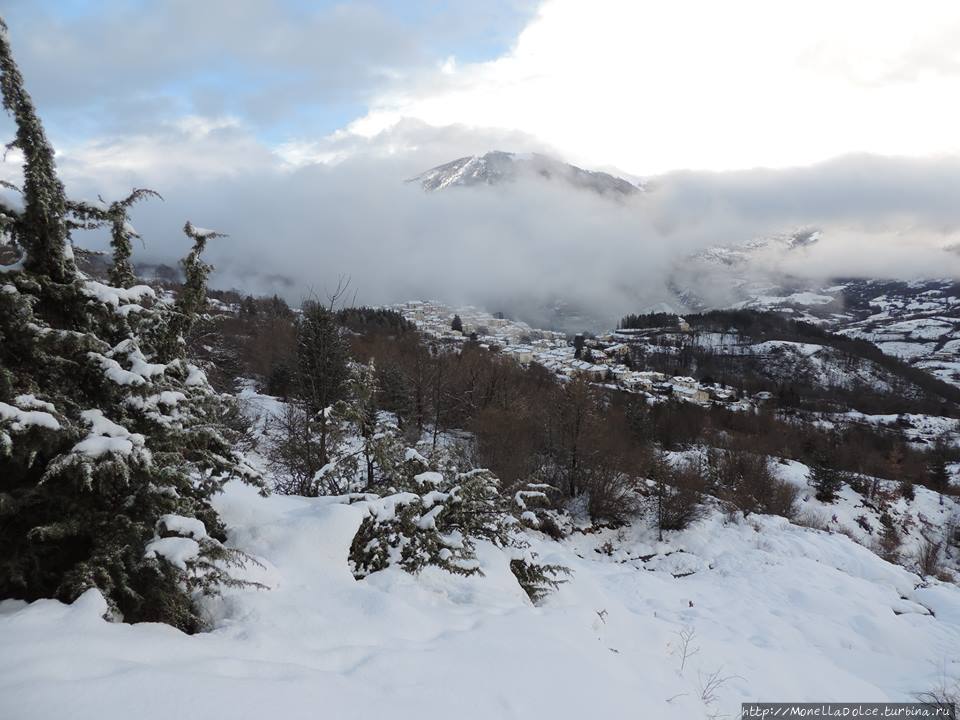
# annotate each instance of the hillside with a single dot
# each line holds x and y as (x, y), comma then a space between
(710, 617)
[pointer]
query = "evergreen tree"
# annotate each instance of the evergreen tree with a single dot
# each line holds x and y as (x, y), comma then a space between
(40, 229)
(364, 453)
(122, 232)
(536, 579)
(457, 324)
(248, 308)
(578, 341)
(826, 480)
(436, 519)
(322, 371)
(937, 473)
(890, 540)
(111, 442)
(380, 452)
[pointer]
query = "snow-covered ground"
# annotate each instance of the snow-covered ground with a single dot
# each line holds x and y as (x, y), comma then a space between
(771, 610)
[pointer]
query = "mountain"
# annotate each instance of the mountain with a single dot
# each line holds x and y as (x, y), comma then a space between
(742, 253)
(916, 321)
(723, 275)
(497, 167)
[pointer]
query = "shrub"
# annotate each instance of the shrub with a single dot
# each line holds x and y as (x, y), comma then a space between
(782, 499)
(888, 546)
(747, 482)
(611, 494)
(929, 557)
(437, 520)
(907, 490)
(677, 496)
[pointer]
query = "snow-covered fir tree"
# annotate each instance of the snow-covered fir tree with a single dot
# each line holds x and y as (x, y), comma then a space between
(111, 442)
(436, 519)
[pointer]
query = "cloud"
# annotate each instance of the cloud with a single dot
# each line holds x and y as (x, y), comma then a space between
(177, 100)
(654, 86)
(282, 65)
(295, 227)
(121, 48)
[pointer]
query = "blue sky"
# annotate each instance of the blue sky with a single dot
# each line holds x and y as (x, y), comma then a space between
(285, 68)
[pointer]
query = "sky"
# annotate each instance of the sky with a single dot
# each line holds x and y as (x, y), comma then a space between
(291, 125)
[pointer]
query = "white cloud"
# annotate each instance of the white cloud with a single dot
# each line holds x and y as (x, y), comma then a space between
(652, 86)
(190, 150)
(296, 225)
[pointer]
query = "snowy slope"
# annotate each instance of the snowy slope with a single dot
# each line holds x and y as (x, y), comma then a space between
(771, 610)
(783, 612)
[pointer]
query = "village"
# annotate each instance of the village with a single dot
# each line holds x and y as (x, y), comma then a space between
(605, 359)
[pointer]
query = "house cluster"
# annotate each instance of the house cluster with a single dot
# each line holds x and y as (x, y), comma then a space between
(601, 360)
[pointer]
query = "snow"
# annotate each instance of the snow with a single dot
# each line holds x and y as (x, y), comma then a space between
(195, 377)
(429, 478)
(906, 350)
(106, 437)
(30, 402)
(203, 232)
(140, 371)
(786, 612)
(175, 550)
(114, 372)
(856, 517)
(411, 454)
(21, 419)
(95, 446)
(115, 297)
(915, 428)
(180, 525)
(804, 349)
(800, 298)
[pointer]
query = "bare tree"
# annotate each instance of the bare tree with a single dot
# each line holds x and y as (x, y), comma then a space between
(686, 648)
(293, 452)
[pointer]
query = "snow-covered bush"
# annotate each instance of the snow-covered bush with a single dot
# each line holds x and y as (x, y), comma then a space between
(434, 519)
(105, 427)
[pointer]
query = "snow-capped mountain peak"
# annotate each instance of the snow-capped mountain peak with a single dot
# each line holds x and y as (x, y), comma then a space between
(496, 167)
